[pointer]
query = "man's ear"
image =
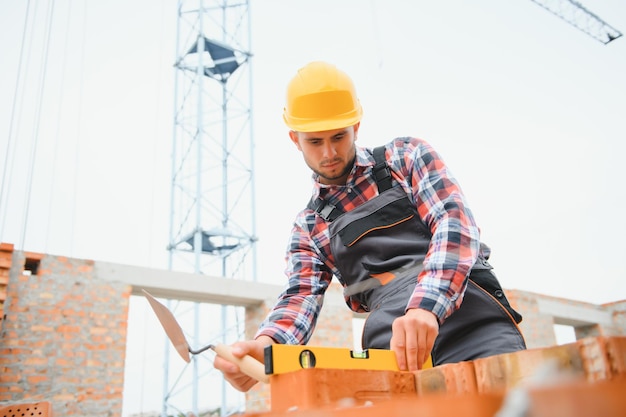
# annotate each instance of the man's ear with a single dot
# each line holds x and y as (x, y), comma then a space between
(293, 135)
(356, 130)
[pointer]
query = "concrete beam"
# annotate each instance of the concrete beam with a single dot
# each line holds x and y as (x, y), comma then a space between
(188, 286)
(571, 315)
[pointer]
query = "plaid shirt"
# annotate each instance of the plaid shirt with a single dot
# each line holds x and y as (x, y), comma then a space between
(453, 249)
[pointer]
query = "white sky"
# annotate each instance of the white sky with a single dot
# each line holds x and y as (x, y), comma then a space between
(528, 111)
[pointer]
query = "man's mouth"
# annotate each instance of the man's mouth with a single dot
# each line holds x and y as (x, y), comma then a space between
(331, 164)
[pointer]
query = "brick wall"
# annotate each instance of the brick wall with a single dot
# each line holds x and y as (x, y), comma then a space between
(63, 336)
(537, 328)
(63, 333)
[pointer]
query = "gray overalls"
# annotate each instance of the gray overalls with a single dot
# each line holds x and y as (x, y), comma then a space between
(385, 237)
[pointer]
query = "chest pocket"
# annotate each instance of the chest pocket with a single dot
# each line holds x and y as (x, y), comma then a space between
(391, 215)
(382, 235)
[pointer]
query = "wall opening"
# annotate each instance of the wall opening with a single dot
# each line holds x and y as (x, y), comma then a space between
(564, 334)
(31, 266)
(357, 331)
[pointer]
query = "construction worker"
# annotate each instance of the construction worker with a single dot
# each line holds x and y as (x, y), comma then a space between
(392, 224)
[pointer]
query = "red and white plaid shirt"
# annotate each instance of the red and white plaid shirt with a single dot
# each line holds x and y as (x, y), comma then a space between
(453, 249)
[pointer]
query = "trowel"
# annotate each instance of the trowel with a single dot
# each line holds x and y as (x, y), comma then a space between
(247, 364)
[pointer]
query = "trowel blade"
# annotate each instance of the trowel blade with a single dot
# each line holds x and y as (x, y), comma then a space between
(171, 326)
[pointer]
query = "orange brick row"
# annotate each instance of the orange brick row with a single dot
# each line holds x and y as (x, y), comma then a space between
(6, 258)
(585, 362)
(590, 359)
(567, 399)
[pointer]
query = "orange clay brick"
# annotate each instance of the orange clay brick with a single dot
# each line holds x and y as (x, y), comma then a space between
(313, 388)
(616, 352)
(6, 247)
(507, 370)
(452, 378)
(41, 409)
(435, 405)
(5, 262)
(567, 399)
(604, 357)
(578, 399)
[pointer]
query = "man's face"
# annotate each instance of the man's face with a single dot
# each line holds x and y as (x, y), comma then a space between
(330, 153)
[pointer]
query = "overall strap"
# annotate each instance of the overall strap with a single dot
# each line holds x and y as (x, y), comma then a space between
(382, 174)
(324, 209)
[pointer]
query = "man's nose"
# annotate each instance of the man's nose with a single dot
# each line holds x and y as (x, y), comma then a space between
(329, 150)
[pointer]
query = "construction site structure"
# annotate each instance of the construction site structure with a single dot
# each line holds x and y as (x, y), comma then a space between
(62, 343)
(212, 223)
(64, 332)
(584, 20)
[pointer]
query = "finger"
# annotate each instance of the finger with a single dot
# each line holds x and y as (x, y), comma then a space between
(430, 343)
(414, 342)
(233, 375)
(398, 343)
(422, 350)
(414, 346)
(224, 365)
(430, 334)
(250, 348)
(241, 349)
(238, 351)
(240, 381)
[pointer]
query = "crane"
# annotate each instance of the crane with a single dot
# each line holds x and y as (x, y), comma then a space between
(575, 14)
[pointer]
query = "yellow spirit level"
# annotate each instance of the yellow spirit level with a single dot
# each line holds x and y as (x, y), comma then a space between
(287, 358)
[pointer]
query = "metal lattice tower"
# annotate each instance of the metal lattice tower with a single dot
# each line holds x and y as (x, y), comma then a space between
(575, 14)
(212, 225)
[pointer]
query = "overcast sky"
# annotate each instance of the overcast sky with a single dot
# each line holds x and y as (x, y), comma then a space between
(528, 111)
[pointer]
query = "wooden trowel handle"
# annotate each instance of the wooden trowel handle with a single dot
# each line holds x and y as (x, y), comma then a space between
(247, 364)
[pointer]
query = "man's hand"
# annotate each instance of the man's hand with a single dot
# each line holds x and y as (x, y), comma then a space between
(231, 371)
(413, 337)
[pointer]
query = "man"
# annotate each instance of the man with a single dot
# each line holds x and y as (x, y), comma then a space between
(393, 226)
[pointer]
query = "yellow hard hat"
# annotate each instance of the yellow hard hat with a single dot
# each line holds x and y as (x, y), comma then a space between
(321, 97)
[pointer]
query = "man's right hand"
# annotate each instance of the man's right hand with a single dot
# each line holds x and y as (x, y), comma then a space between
(413, 337)
(232, 373)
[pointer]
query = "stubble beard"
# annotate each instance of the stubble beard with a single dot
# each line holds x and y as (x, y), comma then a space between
(344, 172)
